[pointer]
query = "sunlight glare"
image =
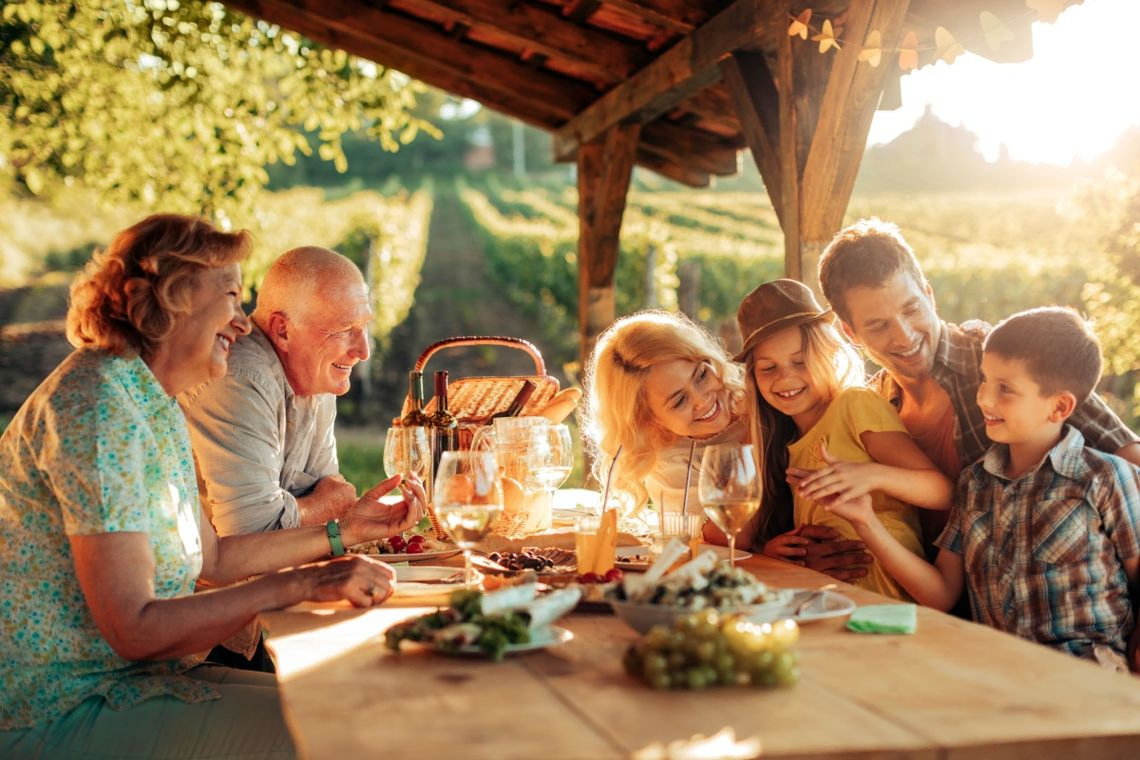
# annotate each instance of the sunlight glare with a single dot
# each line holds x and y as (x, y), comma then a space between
(1072, 99)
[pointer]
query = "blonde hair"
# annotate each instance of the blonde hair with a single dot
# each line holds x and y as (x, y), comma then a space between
(616, 416)
(130, 296)
(833, 364)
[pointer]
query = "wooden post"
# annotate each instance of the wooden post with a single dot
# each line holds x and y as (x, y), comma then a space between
(806, 120)
(605, 166)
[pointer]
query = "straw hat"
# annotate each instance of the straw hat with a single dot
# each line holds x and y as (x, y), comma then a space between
(775, 306)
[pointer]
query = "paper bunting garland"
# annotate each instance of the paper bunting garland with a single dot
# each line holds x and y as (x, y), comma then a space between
(826, 38)
(908, 52)
(799, 27)
(872, 51)
(946, 47)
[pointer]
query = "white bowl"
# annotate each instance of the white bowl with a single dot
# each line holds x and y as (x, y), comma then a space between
(641, 617)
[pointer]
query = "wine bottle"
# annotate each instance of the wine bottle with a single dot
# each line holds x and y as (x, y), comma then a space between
(442, 423)
(516, 406)
(416, 416)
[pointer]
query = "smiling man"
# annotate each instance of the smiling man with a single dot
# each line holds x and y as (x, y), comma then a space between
(263, 434)
(931, 369)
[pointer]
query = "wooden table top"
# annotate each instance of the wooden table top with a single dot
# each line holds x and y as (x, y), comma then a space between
(952, 690)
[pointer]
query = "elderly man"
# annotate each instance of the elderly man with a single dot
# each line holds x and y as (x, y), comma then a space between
(263, 435)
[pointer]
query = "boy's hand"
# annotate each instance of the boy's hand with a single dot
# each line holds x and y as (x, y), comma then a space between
(829, 553)
(839, 480)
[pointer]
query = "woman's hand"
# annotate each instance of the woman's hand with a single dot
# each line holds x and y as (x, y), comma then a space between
(839, 480)
(369, 519)
(361, 580)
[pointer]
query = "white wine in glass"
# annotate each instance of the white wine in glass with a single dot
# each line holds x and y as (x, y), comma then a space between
(550, 458)
(468, 499)
(729, 489)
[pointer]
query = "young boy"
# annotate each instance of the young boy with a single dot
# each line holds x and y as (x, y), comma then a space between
(1044, 531)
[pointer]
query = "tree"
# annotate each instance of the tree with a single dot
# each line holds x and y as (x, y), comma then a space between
(183, 102)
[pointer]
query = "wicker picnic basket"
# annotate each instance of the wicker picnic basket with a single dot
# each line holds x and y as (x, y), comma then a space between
(475, 400)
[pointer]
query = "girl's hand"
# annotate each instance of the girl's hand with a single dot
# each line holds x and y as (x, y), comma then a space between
(789, 547)
(356, 578)
(857, 511)
(369, 519)
(839, 480)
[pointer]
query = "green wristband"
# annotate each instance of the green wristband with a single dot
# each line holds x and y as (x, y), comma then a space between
(332, 527)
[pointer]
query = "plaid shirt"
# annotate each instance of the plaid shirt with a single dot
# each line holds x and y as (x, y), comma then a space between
(1043, 553)
(958, 370)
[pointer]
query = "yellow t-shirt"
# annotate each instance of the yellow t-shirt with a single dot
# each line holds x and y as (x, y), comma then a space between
(851, 413)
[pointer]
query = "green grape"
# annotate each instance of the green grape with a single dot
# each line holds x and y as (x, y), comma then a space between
(695, 678)
(654, 663)
(660, 681)
(676, 660)
(658, 637)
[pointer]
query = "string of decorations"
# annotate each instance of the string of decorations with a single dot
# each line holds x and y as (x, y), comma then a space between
(946, 46)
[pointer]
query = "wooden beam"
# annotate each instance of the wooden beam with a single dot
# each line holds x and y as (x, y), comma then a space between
(753, 91)
(605, 166)
(848, 105)
(602, 55)
(675, 15)
(669, 169)
(428, 53)
(672, 77)
(692, 148)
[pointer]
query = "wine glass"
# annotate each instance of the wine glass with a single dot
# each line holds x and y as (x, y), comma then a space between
(729, 489)
(407, 451)
(550, 457)
(468, 499)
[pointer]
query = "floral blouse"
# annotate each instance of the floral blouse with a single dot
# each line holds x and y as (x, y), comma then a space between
(99, 447)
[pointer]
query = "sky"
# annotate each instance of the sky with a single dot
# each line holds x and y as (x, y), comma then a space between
(1072, 99)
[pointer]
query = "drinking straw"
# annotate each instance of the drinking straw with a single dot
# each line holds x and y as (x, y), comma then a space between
(609, 477)
(688, 479)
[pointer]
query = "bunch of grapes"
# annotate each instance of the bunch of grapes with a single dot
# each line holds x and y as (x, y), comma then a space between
(706, 649)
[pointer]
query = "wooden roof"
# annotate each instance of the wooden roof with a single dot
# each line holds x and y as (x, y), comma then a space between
(578, 67)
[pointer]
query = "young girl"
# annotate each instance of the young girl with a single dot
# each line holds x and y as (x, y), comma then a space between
(821, 433)
(656, 383)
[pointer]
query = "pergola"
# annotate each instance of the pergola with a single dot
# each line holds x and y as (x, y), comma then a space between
(678, 87)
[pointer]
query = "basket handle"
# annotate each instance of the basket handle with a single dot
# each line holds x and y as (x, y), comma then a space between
(484, 340)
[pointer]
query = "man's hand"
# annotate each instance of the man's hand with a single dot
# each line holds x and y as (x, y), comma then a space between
(827, 552)
(370, 519)
(329, 500)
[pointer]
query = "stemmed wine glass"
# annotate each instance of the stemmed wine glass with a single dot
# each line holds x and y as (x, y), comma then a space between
(729, 489)
(468, 499)
(407, 451)
(550, 458)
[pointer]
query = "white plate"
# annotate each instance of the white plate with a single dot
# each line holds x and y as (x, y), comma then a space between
(551, 636)
(831, 604)
(425, 573)
(405, 557)
(624, 554)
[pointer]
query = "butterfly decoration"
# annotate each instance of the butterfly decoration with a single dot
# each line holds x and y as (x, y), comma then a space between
(1047, 10)
(872, 51)
(908, 52)
(947, 46)
(799, 27)
(995, 30)
(826, 38)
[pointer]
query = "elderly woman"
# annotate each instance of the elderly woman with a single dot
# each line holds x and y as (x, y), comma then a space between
(101, 535)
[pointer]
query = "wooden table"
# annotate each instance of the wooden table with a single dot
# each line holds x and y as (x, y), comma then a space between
(953, 690)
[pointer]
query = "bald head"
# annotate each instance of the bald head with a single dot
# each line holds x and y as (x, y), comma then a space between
(301, 277)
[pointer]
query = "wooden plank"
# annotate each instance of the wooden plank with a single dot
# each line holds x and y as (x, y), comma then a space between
(953, 689)
(692, 147)
(757, 104)
(604, 170)
(603, 55)
(788, 155)
(424, 52)
(847, 107)
(675, 15)
(685, 175)
(672, 77)
(344, 696)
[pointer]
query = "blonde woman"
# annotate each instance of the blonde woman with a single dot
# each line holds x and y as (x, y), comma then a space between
(101, 535)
